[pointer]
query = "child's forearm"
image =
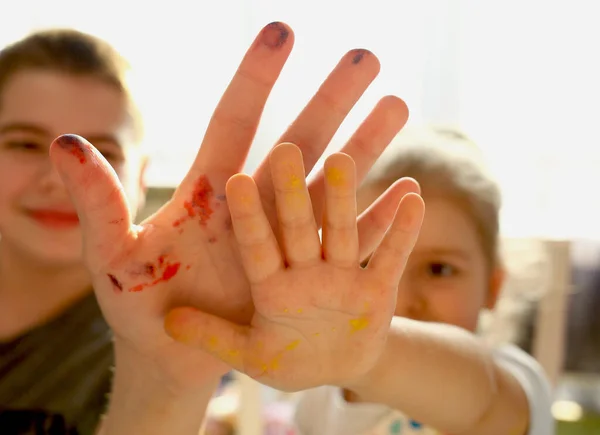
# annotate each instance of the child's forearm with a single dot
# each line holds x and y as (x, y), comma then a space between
(142, 403)
(444, 377)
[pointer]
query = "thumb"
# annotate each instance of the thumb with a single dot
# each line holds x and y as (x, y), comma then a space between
(221, 338)
(96, 193)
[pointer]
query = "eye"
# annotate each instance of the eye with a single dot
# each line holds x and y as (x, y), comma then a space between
(111, 155)
(25, 145)
(441, 270)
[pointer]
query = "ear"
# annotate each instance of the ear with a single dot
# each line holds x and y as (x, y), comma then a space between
(496, 281)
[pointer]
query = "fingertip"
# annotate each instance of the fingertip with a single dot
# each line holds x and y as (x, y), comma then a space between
(363, 56)
(285, 149)
(238, 181)
(72, 144)
(179, 324)
(412, 211)
(407, 185)
(340, 170)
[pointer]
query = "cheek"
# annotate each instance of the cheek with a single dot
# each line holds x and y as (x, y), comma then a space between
(15, 179)
(458, 311)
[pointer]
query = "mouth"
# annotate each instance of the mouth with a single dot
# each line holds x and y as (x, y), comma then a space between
(55, 219)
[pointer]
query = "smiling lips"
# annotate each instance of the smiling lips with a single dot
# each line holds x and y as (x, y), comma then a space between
(55, 219)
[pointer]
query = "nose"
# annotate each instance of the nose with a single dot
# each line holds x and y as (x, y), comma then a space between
(411, 302)
(49, 180)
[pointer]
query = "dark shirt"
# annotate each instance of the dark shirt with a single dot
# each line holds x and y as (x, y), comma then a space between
(55, 379)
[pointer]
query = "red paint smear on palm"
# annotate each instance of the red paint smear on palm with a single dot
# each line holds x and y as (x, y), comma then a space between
(169, 270)
(200, 204)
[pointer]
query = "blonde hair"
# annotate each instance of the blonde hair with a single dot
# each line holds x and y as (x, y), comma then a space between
(71, 52)
(447, 164)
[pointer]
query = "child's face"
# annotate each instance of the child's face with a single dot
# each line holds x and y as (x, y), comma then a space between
(446, 279)
(37, 219)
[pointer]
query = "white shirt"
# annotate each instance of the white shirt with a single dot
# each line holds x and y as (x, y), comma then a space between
(323, 411)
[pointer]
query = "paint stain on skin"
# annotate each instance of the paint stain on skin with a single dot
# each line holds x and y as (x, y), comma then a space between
(359, 324)
(316, 334)
(150, 270)
(74, 146)
(274, 364)
(116, 221)
(358, 55)
(294, 182)
(116, 283)
(212, 240)
(188, 267)
(274, 35)
(335, 177)
(199, 206)
(161, 273)
(299, 310)
(286, 311)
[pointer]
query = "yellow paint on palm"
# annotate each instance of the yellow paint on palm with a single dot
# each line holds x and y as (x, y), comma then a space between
(335, 176)
(293, 345)
(213, 342)
(359, 324)
(275, 362)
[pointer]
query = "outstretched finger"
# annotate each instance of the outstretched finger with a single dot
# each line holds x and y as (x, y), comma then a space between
(234, 122)
(366, 145)
(318, 122)
(257, 243)
(97, 196)
(389, 259)
(376, 219)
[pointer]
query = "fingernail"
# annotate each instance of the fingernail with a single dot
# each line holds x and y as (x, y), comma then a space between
(358, 55)
(73, 144)
(274, 35)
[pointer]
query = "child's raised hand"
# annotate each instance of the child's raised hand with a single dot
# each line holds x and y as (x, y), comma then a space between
(320, 318)
(186, 254)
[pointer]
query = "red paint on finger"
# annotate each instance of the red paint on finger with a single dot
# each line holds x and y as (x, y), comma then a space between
(73, 145)
(274, 35)
(116, 283)
(358, 55)
(200, 204)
